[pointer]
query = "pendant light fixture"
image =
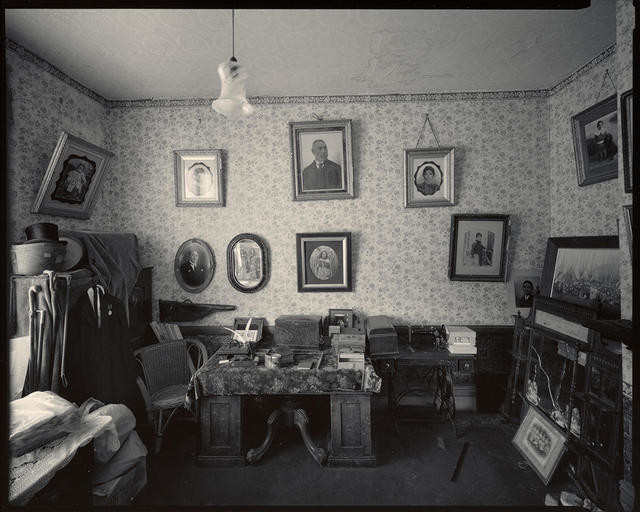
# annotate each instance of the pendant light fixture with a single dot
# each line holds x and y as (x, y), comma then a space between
(232, 102)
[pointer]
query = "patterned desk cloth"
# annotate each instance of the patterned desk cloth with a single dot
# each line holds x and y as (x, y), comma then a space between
(216, 379)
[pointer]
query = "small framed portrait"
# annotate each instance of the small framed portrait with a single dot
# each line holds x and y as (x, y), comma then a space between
(626, 108)
(478, 247)
(198, 175)
(194, 265)
(341, 317)
(628, 221)
(72, 181)
(247, 263)
(322, 159)
(324, 262)
(540, 442)
(595, 142)
(428, 177)
(583, 270)
(522, 287)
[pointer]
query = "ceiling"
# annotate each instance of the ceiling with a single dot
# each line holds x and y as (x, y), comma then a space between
(129, 54)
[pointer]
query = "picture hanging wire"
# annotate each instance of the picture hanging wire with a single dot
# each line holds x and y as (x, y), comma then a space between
(426, 118)
(604, 79)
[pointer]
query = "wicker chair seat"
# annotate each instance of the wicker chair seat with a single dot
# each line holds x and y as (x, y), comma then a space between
(171, 396)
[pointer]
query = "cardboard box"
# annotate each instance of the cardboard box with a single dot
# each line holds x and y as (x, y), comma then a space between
(462, 349)
(123, 489)
(460, 335)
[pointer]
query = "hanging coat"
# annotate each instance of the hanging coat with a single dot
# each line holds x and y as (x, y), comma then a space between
(99, 358)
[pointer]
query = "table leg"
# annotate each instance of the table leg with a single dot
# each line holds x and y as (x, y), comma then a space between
(273, 424)
(445, 392)
(301, 420)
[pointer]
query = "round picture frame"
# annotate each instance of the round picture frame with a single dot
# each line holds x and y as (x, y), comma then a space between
(248, 263)
(194, 265)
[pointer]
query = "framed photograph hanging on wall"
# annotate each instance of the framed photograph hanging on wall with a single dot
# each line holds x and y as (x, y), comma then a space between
(198, 175)
(626, 108)
(478, 247)
(428, 177)
(72, 181)
(194, 265)
(583, 270)
(595, 142)
(322, 161)
(324, 262)
(248, 263)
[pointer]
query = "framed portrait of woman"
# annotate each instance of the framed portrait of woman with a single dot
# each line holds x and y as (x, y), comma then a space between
(324, 262)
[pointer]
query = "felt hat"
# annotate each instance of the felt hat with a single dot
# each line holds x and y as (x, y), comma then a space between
(42, 232)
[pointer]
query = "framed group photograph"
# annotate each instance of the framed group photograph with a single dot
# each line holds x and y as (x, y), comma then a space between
(72, 181)
(194, 265)
(247, 263)
(541, 443)
(428, 177)
(626, 108)
(324, 262)
(322, 159)
(522, 287)
(583, 270)
(478, 247)
(595, 141)
(198, 175)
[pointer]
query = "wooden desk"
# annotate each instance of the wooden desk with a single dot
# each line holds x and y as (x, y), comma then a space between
(223, 389)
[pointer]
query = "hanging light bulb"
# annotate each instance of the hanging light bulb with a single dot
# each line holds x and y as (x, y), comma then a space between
(232, 102)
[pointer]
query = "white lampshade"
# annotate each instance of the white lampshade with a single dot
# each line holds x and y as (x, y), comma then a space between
(232, 102)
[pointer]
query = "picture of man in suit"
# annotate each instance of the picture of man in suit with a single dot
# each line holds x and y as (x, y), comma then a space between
(192, 273)
(526, 301)
(322, 173)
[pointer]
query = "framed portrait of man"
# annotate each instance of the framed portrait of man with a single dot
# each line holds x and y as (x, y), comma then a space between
(198, 175)
(194, 265)
(322, 160)
(324, 262)
(595, 140)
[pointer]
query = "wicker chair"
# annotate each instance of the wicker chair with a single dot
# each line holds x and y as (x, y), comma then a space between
(167, 368)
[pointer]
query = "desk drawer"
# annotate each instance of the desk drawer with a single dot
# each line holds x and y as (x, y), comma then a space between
(466, 365)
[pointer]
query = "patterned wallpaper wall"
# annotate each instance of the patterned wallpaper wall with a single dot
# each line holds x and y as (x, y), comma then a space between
(39, 107)
(400, 255)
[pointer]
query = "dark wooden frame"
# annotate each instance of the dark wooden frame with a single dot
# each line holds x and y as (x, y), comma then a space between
(179, 260)
(345, 265)
(576, 242)
(68, 147)
(302, 127)
(346, 313)
(454, 273)
(626, 110)
(609, 171)
(231, 263)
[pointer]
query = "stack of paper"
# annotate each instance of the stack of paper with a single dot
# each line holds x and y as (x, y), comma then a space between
(166, 332)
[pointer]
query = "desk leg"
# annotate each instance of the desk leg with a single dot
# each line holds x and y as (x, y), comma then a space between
(220, 431)
(350, 440)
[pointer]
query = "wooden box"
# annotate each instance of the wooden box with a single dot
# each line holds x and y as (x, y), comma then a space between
(382, 337)
(350, 360)
(298, 330)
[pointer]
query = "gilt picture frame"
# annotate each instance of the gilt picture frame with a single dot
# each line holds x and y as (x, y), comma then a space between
(199, 177)
(478, 247)
(248, 264)
(595, 142)
(541, 443)
(73, 178)
(324, 262)
(321, 160)
(428, 177)
(626, 112)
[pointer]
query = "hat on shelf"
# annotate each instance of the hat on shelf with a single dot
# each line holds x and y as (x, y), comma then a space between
(42, 232)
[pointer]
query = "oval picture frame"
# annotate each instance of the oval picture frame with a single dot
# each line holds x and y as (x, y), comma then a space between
(248, 263)
(194, 265)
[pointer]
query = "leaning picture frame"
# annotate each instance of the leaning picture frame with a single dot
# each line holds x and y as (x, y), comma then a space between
(626, 111)
(478, 247)
(583, 270)
(541, 443)
(199, 177)
(522, 287)
(73, 178)
(595, 142)
(428, 177)
(341, 317)
(324, 262)
(321, 160)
